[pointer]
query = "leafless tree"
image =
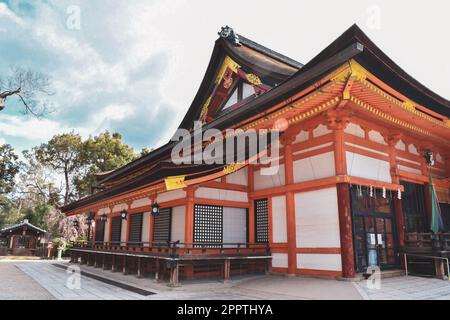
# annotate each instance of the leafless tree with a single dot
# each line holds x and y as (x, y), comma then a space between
(30, 87)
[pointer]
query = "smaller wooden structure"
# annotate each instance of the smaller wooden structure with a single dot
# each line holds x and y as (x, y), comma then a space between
(22, 239)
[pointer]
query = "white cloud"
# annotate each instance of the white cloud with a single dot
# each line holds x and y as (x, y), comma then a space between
(136, 66)
(115, 112)
(8, 14)
(30, 128)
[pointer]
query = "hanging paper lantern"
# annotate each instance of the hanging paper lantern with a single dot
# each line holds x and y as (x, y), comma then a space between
(281, 124)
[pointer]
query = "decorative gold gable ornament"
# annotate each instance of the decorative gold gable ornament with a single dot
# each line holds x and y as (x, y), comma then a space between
(254, 79)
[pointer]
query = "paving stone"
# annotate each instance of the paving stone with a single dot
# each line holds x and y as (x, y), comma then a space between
(53, 282)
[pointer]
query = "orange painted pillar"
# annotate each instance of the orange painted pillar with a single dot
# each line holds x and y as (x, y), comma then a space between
(189, 227)
(344, 204)
(189, 217)
(290, 209)
(251, 210)
(398, 209)
(110, 223)
(127, 237)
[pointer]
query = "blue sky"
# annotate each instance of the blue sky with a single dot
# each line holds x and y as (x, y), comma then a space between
(134, 66)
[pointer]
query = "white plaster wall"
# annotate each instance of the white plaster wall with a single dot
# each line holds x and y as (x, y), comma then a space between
(269, 181)
(234, 225)
(238, 177)
(141, 203)
(330, 262)
(355, 130)
(120, 207)
(279, 260)
(412, 149)
(368, 149)
(146, 227)
(316, 167)
(366, 167)
(171, 195)
(400, 145)
(123, 234)
(279, 219)
(178, 223)
(409, 169)
(375, 136)
(320, 130)
(103, 210)
(313, 148)
(221, 194)
(302, 136)
(317, 219)
(410, 161)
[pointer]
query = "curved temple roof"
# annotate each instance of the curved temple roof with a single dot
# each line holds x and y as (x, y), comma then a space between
(286, 77)
(24, 223)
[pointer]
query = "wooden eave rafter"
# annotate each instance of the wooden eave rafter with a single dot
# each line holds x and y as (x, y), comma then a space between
(370, 95)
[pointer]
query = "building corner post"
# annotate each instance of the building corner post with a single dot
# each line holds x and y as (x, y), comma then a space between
(337, 120)
(290, 207)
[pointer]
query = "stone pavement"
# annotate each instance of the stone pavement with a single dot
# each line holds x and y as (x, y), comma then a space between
(16, 285)
(251, 287)
(407, 288)
(57, 282)
(50, 281)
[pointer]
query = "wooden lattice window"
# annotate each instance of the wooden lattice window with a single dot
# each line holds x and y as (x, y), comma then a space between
(261, 221)
(208, 224)
(116, 229)
(162, 225)
(99, 231)
(414, 207)
(136, 227)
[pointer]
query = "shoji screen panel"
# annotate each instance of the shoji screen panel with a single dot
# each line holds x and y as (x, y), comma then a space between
(116, 229)
(99, 231)
(162, 226)
(136, 227)
(234, 225)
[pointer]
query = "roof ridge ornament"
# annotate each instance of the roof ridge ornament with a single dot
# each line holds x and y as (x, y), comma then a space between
(229, 34)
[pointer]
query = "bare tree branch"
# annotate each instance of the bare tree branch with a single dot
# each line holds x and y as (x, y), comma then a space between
(30, 87)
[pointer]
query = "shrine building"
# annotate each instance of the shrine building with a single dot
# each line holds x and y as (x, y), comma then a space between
(359, 142)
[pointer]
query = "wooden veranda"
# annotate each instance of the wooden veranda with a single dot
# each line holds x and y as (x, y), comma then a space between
(174, 260)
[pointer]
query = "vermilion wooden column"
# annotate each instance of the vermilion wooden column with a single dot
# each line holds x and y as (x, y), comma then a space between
(290, 208)
(337, 120)
(127, 238)
(189, 227)
(189, 218)
(110, 223)
(345, 228)
(251, 210)
(344, 207)
(392, 141)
